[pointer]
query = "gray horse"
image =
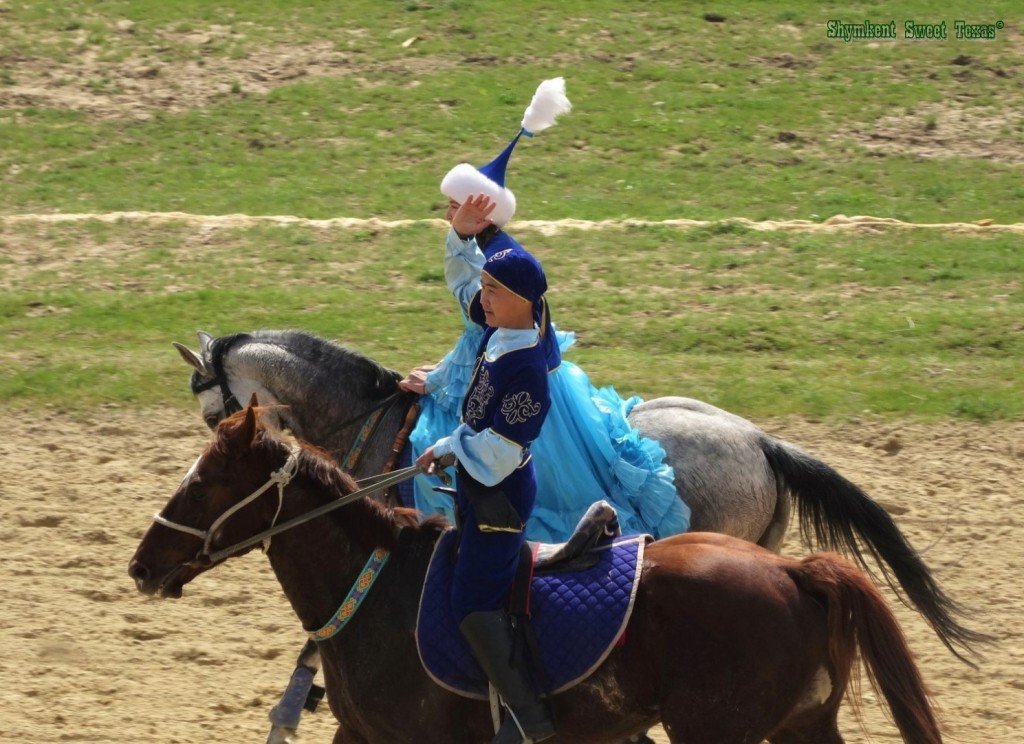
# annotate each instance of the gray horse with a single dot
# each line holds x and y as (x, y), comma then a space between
(735, 478)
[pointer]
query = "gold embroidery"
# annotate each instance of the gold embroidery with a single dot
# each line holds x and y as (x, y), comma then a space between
(519, 407)
(481, 395)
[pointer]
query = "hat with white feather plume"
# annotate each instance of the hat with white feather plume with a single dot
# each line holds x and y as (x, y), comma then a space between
(462, 181)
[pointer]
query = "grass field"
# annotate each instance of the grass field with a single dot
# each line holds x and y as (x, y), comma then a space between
(322, 110)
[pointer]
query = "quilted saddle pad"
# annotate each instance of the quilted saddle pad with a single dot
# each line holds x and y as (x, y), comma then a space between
(577, 617)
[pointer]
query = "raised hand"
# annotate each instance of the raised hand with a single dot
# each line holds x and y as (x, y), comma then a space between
(473, 215)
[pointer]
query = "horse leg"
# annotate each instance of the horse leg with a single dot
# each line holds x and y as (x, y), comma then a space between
(639, 739)
(775, 533)
(285, 716)
(733, 731)
(822, 731)
(341, 736)
(816, 719)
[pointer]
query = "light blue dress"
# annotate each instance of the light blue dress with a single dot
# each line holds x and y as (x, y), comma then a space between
(586, 449)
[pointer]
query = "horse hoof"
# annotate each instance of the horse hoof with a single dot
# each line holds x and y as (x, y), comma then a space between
(280, 735)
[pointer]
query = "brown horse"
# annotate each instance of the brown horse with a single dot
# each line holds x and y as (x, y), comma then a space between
(727, 643)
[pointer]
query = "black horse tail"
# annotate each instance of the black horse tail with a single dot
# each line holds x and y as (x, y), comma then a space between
(835, 512)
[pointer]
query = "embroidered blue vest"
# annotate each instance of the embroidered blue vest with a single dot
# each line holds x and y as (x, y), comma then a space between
(509, 394)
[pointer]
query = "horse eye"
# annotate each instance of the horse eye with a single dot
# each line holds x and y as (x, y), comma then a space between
(212, 420)
(194, 492)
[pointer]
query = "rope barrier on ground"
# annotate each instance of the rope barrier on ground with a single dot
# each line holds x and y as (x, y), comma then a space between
(836, 223)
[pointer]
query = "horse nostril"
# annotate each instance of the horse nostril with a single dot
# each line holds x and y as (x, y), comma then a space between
(138, 571)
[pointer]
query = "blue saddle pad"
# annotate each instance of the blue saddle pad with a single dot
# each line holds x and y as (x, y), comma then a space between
(577, 617)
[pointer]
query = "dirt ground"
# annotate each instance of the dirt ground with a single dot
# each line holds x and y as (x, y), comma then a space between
(87, 658)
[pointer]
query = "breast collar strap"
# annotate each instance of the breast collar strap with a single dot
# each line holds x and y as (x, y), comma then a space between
(354, 598)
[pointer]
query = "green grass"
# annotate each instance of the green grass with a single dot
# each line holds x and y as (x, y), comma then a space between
(915, 323)
(759, 117)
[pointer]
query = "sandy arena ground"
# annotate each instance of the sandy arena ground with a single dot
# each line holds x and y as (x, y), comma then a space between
(87, 658)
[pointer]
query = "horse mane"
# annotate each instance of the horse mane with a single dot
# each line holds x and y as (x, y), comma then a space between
(328, 358)
(326, 361)
(372, 524)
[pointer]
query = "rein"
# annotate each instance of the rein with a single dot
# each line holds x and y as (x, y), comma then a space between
(376, 483)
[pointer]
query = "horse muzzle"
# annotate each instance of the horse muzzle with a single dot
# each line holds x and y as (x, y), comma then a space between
(165, 583)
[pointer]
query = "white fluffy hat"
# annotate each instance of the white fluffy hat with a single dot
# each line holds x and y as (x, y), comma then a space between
(462, 181)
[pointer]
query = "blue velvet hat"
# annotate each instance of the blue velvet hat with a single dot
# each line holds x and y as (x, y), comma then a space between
(517, 271)
(522, 275)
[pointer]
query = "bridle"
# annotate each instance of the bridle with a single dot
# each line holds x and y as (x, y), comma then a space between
(370, 418)
(281, 478)
(231, 404)
(220, 379)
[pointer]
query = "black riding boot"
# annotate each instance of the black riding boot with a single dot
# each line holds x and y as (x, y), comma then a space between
(490, 636)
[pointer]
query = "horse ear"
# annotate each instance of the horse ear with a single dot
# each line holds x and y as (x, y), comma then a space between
(205, 342)
(237, 439)
(192, 359)
(253, 400)
(247, 432)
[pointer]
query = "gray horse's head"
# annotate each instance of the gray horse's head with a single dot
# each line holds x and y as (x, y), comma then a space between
(209, 381)
(309, 384)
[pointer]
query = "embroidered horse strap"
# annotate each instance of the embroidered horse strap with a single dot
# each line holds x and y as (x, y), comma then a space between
(366, 431)
(369, 428)
(355, 597)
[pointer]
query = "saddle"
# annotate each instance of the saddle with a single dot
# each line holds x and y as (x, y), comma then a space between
(580, 598)
(600, 522)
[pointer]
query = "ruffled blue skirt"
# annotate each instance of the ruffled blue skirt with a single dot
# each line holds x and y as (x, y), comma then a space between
(586, 451)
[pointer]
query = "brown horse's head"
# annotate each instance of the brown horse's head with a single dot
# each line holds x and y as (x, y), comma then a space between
(198, 519)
